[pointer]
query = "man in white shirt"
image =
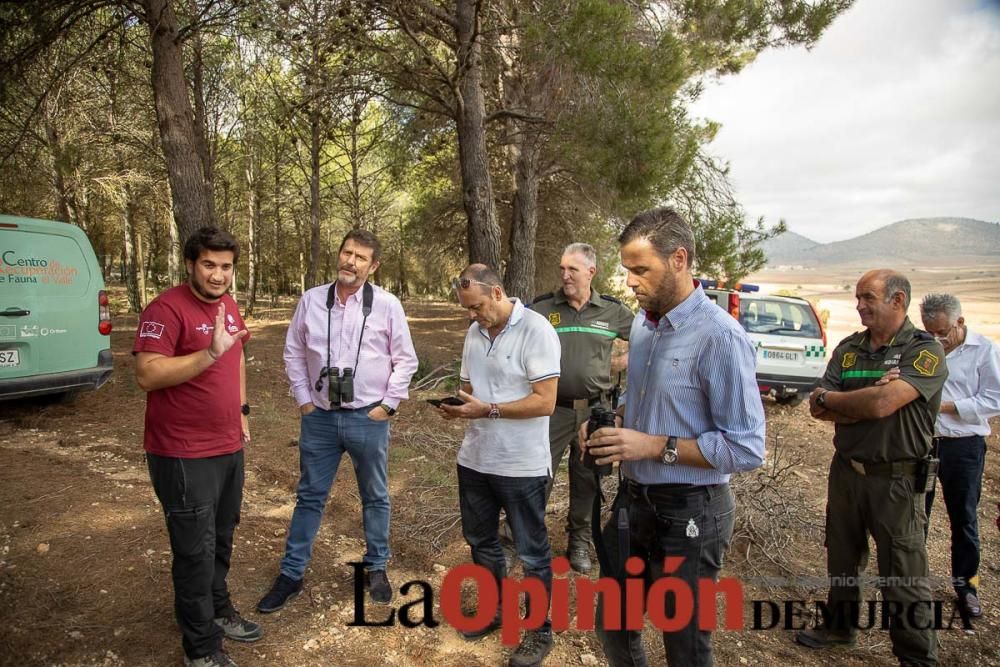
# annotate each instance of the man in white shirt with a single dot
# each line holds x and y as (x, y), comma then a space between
(510, 370)
(971, 396)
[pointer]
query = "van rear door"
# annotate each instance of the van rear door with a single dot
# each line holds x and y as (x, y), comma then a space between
(49, 286)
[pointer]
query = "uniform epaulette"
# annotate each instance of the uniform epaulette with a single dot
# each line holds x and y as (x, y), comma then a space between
(608, 297)
(543, 297)
(849, 338)
(923, 335)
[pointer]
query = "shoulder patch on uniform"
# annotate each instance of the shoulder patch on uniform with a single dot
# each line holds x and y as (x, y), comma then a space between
(848, 359)
(608, 297)
(554, 318)
(543, 297)
(926, 362)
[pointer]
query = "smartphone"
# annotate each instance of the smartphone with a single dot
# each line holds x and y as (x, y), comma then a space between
(448, 400)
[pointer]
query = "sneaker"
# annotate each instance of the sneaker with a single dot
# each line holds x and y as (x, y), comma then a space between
(378, 586)
(579, 556)
(472, 635)
(282, 590)
(238, 628)
(218, 659)
(825, 638)
(969, 603)
(533, 648)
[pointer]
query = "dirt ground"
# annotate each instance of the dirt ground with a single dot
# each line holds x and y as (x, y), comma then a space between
(85, 560)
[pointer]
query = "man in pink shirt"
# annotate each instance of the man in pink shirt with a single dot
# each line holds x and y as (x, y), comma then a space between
(349, 360)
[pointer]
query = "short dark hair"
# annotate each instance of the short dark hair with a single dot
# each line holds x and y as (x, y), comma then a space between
(665, 230)
(365, 238)
(210, 237)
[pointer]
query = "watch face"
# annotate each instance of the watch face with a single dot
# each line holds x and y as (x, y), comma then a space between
(245, 409)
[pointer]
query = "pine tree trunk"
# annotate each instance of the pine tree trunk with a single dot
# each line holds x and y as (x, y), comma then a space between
(191, 200)
(477, 185)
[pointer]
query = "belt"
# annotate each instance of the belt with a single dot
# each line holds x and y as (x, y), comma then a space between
(892, 469)
(366, 408)
(676, 495)
(579, 403)
(942, 438)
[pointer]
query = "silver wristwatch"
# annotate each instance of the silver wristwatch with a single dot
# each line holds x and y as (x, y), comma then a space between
(669, 454)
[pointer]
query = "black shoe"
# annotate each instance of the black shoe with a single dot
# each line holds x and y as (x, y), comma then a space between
(379, 588)
(218, 659)
(579, 556)
(969, 603)
(282, 590)
(472, 635)
(238, 628)
(533, 648)
(825, 638)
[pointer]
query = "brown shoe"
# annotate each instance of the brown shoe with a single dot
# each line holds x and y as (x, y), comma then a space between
(825, 638)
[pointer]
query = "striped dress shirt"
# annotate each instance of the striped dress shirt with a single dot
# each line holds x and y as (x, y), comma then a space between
(691, 374)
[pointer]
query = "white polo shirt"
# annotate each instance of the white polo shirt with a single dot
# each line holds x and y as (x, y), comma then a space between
(501, 371)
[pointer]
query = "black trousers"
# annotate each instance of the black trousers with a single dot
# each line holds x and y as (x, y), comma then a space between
(201, 501)
(961, 477)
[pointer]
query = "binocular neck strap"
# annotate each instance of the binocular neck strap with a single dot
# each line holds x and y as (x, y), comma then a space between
(367, 298)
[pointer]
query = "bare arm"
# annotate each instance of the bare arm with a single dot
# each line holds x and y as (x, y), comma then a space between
(541, 402)
(869, 403)
(244, 420)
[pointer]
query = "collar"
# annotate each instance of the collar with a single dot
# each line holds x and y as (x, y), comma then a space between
(902, 336)
(356, 297)
(516, 315)
(594, 300)
(682, 312)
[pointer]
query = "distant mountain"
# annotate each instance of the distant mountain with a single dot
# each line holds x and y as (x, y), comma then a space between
(914, 241)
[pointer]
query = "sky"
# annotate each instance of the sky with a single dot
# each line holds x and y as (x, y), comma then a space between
(894, 114)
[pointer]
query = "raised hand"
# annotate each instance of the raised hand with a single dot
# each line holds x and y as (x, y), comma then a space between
(222, 340)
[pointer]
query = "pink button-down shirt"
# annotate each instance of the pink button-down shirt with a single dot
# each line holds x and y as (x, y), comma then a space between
(387, 360)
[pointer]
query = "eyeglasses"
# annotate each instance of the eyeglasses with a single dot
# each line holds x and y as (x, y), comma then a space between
(466, 283)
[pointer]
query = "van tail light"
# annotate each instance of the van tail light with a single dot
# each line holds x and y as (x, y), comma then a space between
(104, 311)
(734, 305)
(822, 329)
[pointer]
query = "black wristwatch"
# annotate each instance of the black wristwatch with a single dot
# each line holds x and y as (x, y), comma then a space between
(245, 408)
(389, 411)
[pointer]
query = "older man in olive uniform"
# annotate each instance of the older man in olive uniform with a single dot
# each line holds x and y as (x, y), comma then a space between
(882, 438)
(589, 326)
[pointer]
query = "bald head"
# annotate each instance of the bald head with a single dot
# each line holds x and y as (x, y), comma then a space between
(891, 283)
(482, 276)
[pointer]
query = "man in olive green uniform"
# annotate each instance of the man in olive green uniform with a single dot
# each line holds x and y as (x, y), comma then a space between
(882, 436)
(588, 325)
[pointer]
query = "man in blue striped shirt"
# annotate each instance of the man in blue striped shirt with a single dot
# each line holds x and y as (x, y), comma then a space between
(692, 417)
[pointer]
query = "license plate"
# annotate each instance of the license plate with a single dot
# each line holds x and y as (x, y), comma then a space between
(781, 355)
(9, 358)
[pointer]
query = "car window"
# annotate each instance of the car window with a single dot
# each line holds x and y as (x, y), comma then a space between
(782, 318)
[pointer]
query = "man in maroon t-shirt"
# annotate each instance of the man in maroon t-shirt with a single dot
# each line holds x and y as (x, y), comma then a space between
(189, 359)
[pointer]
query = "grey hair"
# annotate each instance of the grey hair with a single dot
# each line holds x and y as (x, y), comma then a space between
(665, 230)
(935, 304)
(585, 250)
(897, 282)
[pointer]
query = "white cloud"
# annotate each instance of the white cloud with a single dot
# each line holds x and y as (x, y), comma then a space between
(894, 114)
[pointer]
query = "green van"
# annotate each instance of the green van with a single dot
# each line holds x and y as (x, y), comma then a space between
(55, 322)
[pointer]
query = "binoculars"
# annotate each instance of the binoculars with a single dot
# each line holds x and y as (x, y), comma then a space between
(599, 418)
(340, 387)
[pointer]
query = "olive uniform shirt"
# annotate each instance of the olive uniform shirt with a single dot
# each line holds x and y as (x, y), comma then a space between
(906, 434)
(587, 337)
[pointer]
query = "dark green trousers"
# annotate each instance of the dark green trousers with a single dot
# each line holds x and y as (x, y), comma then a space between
(563, 425)
(889, 510)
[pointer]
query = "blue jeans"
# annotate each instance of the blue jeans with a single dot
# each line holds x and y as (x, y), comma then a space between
(961, 477)
(324, 437)
(480, 497)
(667, 520)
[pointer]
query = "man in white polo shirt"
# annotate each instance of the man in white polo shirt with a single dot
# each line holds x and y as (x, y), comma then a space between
(510, 369)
